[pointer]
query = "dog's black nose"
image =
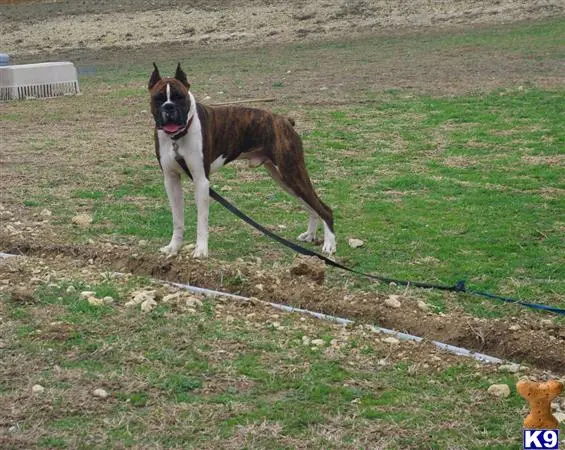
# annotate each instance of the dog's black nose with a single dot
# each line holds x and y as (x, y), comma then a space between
(169, 112)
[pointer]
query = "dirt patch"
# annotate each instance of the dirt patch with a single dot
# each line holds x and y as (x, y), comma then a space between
(39, 28)
(310, 267)
(532, 339)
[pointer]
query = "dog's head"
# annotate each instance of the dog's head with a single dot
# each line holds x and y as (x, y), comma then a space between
(170, 102)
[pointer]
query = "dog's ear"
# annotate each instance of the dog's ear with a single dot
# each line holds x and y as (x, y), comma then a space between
(155, 77)
(181, 76)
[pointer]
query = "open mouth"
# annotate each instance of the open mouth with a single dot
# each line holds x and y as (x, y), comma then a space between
(172, 128)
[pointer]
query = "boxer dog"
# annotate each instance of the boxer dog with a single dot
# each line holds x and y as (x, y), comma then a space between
(208, 138)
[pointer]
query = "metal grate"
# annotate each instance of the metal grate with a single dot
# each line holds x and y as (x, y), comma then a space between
(42, 80)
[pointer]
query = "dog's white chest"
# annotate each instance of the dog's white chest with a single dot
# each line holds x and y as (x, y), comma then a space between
(167, 153)
(189, 147)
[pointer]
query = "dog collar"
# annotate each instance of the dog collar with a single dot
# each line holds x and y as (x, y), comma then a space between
(184, 131)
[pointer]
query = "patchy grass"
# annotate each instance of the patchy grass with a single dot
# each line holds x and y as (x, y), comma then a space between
(439, 188)
(448, 188)
(233, 375)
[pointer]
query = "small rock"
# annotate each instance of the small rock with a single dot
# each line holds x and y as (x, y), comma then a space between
(391, 340)
(37, 389)
(71, 290)
(355, 243)
(499, 390)
(140, 297)
(82, 220)
(107, 300)
(306, 340)
(45, 213)
(512, 368)
(148, 305)
(317, 342)
(142, 243)
(560, 416)
(101, 393)
(393, 302)
(95, 301)
(86, 294)
(172, 298)
(514, 327)
(193, 302)
(188, 248)
(423, 306)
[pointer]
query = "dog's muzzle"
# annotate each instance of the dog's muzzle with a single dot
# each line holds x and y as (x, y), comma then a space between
(170, 119)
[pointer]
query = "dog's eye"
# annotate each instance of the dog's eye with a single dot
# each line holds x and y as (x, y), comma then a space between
(161, 98)
(176, 97)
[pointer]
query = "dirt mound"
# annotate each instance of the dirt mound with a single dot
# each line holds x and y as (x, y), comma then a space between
(527, 337)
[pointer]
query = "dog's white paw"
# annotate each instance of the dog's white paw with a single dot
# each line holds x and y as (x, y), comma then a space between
(200, 252)
(329, 248)
(307, 237)
(171, 249)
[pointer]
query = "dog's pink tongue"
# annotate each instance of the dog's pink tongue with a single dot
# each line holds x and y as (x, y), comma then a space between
(171, 127)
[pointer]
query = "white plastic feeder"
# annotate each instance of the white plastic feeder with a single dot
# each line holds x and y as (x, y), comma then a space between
(42, 80)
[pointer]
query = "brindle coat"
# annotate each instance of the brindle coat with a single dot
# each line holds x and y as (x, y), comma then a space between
(260, 136)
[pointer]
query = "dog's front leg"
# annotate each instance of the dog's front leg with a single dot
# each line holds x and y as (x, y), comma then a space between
(202, 197)
(176, 200)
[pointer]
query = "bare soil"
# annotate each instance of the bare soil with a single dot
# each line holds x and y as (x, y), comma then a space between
(33, 28)
(522, 338)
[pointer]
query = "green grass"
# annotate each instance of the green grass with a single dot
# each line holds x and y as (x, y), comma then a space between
(200, 380)
(440, 189)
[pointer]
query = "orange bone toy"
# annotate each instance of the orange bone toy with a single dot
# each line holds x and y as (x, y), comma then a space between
(539, 396)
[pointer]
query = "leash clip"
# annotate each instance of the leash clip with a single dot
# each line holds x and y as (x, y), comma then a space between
(460, 286)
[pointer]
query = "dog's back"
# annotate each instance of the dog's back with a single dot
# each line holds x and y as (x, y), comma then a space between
(232, 131)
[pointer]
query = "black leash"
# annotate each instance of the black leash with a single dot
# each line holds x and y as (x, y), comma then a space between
(458, 287)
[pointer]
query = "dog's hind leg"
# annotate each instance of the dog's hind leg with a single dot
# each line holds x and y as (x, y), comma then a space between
(313, 221)
(305, 192)
(310, 234)
(300, 187)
